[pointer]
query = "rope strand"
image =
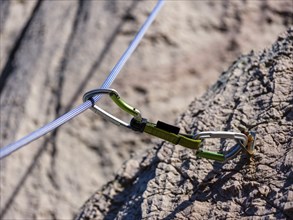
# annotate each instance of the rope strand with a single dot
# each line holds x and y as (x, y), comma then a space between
(5, 151)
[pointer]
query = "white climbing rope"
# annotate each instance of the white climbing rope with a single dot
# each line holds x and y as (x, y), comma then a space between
(5, 151)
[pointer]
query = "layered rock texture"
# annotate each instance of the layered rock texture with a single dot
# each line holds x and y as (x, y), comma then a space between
(169, 182)
(52, 52)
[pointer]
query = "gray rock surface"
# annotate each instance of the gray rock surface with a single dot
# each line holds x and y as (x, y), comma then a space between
(169, 182)
(54, 51)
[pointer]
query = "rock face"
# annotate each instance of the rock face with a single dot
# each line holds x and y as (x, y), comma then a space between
(169, 182)
(54, 51)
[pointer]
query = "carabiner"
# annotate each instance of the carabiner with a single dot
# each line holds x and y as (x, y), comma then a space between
(222, 157)
(112, 93)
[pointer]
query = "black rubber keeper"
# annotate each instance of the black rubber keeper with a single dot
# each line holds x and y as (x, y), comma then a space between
(138, 125)
(167, 127)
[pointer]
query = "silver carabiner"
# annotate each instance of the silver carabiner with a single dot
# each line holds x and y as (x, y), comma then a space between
(90, 94)
(231, 153)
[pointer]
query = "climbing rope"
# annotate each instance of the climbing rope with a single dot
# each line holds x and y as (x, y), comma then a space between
(6, 150)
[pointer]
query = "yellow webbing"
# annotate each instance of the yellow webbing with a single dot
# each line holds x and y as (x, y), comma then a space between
(171, 137)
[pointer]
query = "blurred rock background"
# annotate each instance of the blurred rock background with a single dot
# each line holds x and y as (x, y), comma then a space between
(52, 52)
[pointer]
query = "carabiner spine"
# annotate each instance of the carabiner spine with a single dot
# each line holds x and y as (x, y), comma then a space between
(109, 117)
(222, 134)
